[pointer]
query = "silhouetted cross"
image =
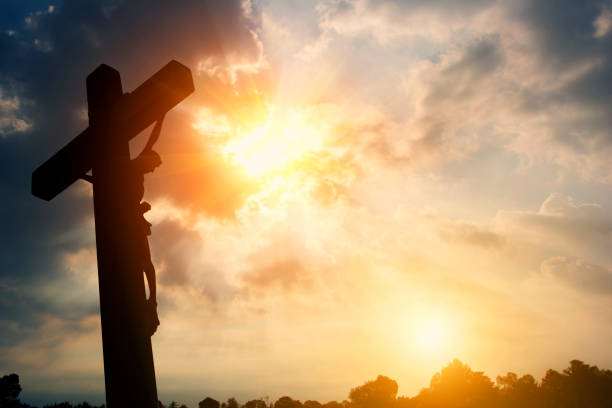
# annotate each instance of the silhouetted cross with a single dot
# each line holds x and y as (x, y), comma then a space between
(114, 119)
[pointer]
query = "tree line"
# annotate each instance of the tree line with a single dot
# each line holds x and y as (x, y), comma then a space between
(455, 386)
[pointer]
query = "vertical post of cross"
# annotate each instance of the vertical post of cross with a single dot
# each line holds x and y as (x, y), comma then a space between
(128, 357)
(115, 118)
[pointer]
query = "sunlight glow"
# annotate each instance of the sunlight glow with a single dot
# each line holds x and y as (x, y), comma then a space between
(287, 152)
(432, 336)
(271, 148)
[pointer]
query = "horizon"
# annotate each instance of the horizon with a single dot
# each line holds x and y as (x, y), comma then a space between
(355, 188)
(506, 383)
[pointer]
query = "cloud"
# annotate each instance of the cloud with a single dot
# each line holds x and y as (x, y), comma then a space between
(603, 23)
(47, 54)
(469, 234)
(388, 21)
(285, 274)
(561, 229)
(404, 95)
(120, 34)
(280, 265)
(461, 77)
(561, 217)
(196, 175)
(11, 119)
(176, 248)
(135, 37)
(527, 77)
(184, 262)
(579, 274)
(70, 348)
(449, 107)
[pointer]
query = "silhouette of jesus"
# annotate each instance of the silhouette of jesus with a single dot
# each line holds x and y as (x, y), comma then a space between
(146, 162)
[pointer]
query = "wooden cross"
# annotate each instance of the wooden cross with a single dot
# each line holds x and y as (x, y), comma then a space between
(114, 119)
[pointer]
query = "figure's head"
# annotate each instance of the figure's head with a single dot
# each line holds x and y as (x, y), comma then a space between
(150, 161)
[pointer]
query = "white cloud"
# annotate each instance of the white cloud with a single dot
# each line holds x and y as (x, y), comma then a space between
(603, 23)
(12, 119)
(228, 67)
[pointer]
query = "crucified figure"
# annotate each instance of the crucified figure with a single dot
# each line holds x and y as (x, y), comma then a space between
(146, 162)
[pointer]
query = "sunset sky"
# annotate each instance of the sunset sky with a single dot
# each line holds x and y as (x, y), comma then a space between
(355, 188)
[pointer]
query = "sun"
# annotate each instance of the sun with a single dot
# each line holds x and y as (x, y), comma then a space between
(431, 333)
(432, 336)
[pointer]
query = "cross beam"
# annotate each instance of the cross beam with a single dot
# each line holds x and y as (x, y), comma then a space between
(114, 119)
(132, 113)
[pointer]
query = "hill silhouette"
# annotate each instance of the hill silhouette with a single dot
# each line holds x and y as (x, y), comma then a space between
(455, 386)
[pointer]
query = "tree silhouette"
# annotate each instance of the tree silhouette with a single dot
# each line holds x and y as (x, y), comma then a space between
(455, 386)
(287, 402)
(259, 403)
(458, 386)
(9, 391)
(405, 402)
(580, 385)
(209, 403)
(175, 404)
(378, 393)
(231, 403)
(518, 392)
(65, 405)
(333, 404)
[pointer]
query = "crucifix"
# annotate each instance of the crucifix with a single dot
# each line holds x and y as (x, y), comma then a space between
(114, 119)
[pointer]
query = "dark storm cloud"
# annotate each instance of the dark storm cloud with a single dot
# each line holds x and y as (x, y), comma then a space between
(46, 54)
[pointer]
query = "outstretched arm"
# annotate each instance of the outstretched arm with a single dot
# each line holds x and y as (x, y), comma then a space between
(154, 134)
(149, 271)
(149, 159)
